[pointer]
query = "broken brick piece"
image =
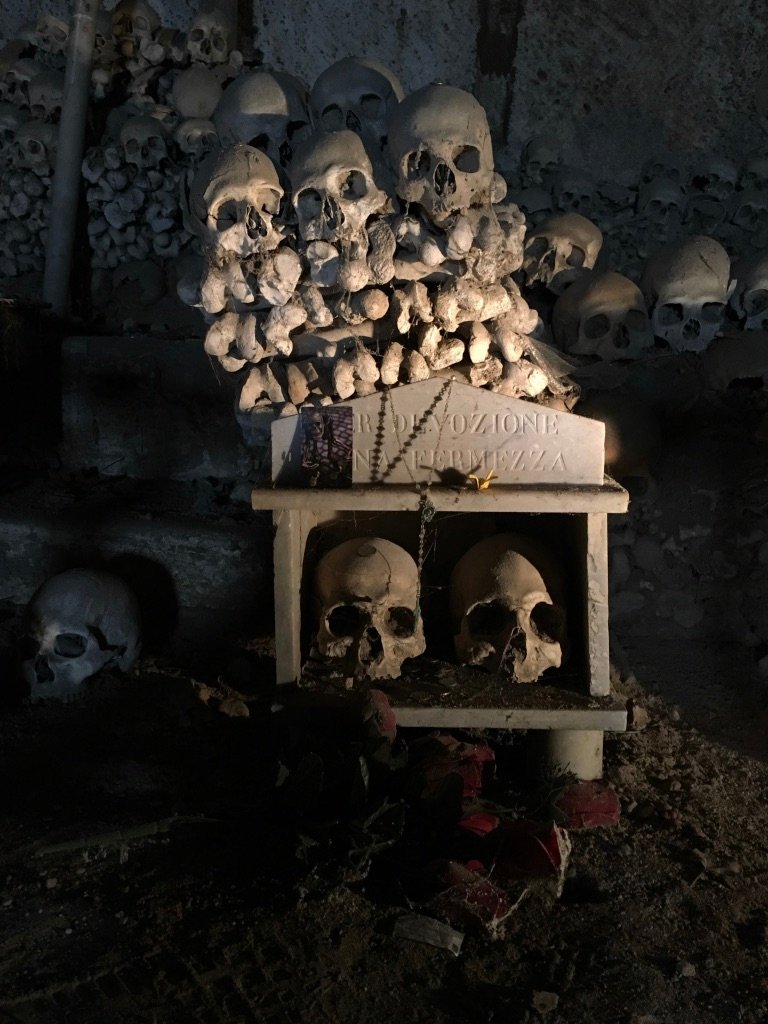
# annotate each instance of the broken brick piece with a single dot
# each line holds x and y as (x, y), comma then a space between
(587, 805)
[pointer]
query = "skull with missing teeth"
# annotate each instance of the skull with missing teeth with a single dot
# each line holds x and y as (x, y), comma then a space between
(367, 592)
(334, 193)
(355, 93)
(440, 148)
(602, 315)
(505, 617)
(559, 250)
(265, 109)
(77, 624)
(236, 195)
(686, 285)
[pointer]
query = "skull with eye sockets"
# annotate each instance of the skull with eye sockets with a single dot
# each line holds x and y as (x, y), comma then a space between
(76, 625)
(440, 149)
(559, 250)
(367, 593)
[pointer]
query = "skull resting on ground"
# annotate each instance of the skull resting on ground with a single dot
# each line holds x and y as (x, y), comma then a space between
(367, 594)
(507, 609)
(77, 624)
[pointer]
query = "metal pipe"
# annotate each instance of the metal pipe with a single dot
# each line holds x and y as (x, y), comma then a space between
(69, 156)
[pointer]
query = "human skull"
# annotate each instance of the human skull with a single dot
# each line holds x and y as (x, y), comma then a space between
(196, 137)
(355, 93)
(661, 203)
(143, 139)
(715, 176)
(234, 197)
(11, 120)
(334, 193)
(559, 250)
(211, 37)
(440, 149)
(686, 286)
(540, 160)
(77, 624)
(704, 212)
(52, 34)
(749, 211)
(133, 21)
(668, 168)
(602, 314)
(367, 595)
(265, 109)
(46, 95)
(506, 608)
(753, 173)
(35, 147)
(16, 80)
(750, 296)
(195, 92)
(574, 191)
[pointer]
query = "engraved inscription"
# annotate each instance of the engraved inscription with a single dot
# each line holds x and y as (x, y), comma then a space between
(461, 424)
(510, 460)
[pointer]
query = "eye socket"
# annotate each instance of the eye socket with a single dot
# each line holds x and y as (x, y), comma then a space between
(756, 301)
(260, 142)
(346, 620)
(226, 216)
(537, 247)
(401, 621)
(309, 203)
(372, 105)
(333, 117)
(636, 320)
(353, 186)
(70, 645)
(576, 257)
(467, 160)
(131, 146)
(670, 314)
(488, 619)
(597, 326)
(196, 35)
(218, 42)
(417, 165)
(712, 312)
(547, 622)
(294, 126)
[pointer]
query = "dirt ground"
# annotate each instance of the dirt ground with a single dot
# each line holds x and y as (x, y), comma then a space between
(164, 862)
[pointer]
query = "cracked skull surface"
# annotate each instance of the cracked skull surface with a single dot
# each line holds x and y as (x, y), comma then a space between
(367, 593)
(334, 193)
(440, 148)
(686, 285)
(235, 197)
(506, 608)
(77, 624)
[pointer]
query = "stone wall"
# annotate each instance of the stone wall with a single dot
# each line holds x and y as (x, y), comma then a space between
(615, 82)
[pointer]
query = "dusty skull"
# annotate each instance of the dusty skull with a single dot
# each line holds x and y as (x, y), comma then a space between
(704, 212)
(506, 608)
(196, 137)
(602, 314)
(16, 80)
(77, 624)
(133, 22)
(355, 93)
(264, 109)
(661, 203)
(540, 160)
(11, 120)
(211, 37)
(753, 173)
(559, 250)
(235, 196)
(574, 191)
(669, 168)
(686, 285)
(46, 95)
(52, 34)
(334, 193)
(367, 594)
(195, 92)
(750, 296)
(749, 211)
(35, 146)
(143, 141)
(440, 148)
(715, 176)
